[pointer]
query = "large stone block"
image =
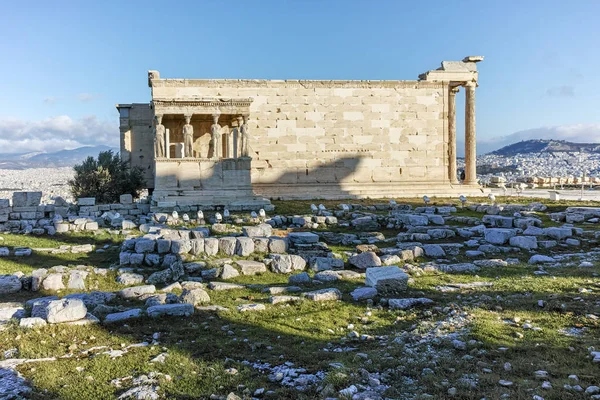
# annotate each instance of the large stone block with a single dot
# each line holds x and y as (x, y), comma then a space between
(137, 291)
(524, 242)
(558, 233)
(285, 263)
(329, 294)
(227, 245)
(498, 235)
(211, 246)
(123, 316)
(126, 199)
(387, 280)
(170, 310)
(498, 221)
(86, 201)
(244, 246)
(27, 199)
(145, 245)
(197, 246)
(326, 263)
(195, 296)
(9, 284)
(278, 245)
(53, 282)
(365, 260)
(303, 238)
(262, 230)
(248, 267)
(64, 310)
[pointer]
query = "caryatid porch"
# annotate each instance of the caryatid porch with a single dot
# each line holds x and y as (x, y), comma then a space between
(202, 152)
(212, 128)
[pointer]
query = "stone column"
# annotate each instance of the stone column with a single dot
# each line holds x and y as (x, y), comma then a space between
(237, 134)
(470, 147)
(125, 131)
(452, 135)
(167, 143)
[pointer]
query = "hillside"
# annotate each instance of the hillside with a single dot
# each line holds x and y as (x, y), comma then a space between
(62, 158)
(546, 146)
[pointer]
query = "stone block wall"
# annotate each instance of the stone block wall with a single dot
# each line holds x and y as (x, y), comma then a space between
(137, 141)
(352, 138)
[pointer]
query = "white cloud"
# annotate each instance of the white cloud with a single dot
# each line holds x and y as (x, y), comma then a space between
(579, 133)
(86, 97)
(50, 100)
(561, 91)
(56, 133)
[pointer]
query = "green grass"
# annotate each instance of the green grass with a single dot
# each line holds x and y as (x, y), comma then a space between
(44, 259)
(202, 347)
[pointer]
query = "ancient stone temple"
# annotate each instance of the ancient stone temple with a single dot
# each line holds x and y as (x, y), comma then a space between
(240, 142)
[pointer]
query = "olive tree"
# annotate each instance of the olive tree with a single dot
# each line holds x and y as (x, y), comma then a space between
(106, 178)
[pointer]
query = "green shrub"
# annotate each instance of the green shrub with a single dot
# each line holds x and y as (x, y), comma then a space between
(106, 178)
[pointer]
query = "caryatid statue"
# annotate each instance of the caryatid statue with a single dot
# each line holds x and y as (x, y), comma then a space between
(188, 137)
(159, 137)
(245, 135)
(215, 131)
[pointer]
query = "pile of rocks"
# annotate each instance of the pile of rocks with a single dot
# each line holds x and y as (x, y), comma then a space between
(27, 215)
(163, 246)
(576, 215)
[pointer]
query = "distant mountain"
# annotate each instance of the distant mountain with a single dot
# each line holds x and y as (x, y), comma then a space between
(62, 158)
(546, 146)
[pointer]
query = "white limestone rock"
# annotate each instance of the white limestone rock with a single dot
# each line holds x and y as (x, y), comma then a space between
(405, 304)
(558, 233)
(244, 246)
(9, 284)
(137, 291)
(329, 294)
(387, 280)
(182, 310)
(286, 263)
(363, 293)
(227, 245)
(123, 316)
(327, 276)
(540, 259)
(211, 246)
(53, 282)
(278, 245)
(195, 296)
(145, 246)
(229, 272)
(262, 230)
(524, 242)
(303, 237)
(434, 250)
(299, 279)
(326, 264)
(365, 260)
(225, 286)
(64, 310)
(11, 310)
(248, 267)
(251, 307)
(32, 322)
(285, 299)
(498, 235)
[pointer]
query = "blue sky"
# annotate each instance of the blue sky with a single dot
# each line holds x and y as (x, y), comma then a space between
(66, 63)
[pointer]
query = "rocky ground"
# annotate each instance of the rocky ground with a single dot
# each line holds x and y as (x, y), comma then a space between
(364, 301)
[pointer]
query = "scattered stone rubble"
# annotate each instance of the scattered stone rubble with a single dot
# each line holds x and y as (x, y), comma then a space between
(196, 261)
